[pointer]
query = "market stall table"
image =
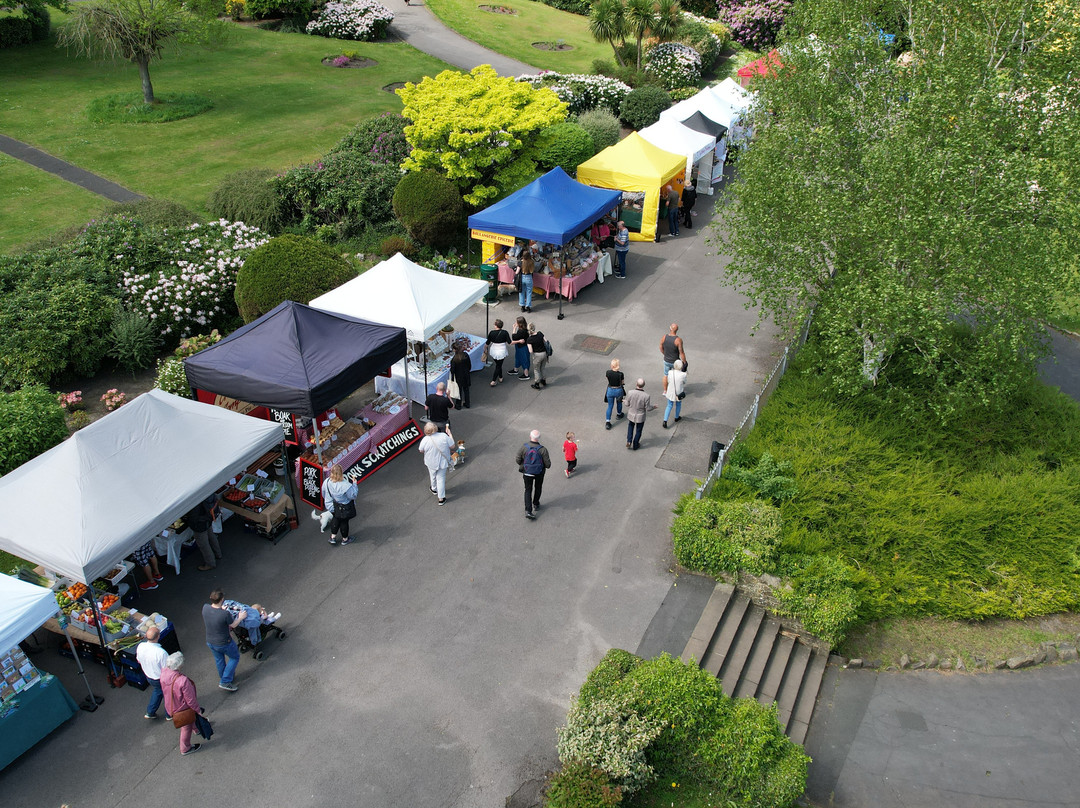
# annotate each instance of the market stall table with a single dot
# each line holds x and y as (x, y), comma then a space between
(568, 286)
(41, 709)
(171, 545)
(437, 372)
(267, 517)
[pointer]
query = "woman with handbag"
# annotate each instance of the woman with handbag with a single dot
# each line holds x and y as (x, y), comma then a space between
(674, 390)
(181, 701)
(498, 348)
(460, 370)
(338, 495)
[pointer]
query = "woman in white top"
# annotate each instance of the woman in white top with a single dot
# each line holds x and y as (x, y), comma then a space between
(674, 390)
(436, 447)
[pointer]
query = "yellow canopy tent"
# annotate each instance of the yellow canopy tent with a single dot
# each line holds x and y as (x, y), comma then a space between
(638, 169)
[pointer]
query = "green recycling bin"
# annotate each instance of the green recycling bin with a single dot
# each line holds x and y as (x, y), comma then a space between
(490, 273)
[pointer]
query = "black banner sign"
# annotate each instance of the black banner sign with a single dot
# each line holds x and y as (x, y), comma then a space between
(288, 424)
(311, 479)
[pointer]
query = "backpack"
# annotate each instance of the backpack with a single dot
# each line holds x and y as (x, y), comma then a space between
(533, 462)
(547, 347)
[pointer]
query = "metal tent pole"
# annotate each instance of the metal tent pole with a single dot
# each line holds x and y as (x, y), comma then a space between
(561, 315)
(91, 702)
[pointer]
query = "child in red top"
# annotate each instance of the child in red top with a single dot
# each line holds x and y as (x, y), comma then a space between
(570, 453)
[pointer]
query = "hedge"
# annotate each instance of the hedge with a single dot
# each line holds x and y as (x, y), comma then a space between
(430, 207)
(289, 267)
(31, 421)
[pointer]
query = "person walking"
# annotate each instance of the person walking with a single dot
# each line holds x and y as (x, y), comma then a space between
(339, 497)
(180, 695)
(200, 519)
(671, 346)
(689, 199)
(521, 349)
(438, 406)
(672, 210)
(622, 247)
(570, 448)
(615, 391)
(219, 623)
(528, 266)
(533, 460)
(674, 391)
(498, 348)
(638, 404)
(436, 447)
(460, 372)
(151, 658)
(538, 355)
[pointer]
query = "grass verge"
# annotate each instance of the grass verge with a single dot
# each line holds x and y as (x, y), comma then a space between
(513, 35)
(131, 108)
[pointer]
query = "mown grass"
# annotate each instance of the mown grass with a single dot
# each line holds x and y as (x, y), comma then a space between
(980, 519)
(275, 106)
(34, 203)
(512, 35)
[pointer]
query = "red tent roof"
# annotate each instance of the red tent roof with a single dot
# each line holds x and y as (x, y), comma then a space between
(760, 67)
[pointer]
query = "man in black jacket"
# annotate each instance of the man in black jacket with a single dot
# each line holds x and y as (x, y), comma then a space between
(533, 460)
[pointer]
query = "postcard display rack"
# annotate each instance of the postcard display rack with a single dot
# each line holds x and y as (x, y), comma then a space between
(360, 445)
(436, 353)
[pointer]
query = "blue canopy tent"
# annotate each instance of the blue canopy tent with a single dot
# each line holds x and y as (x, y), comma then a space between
(552, 209)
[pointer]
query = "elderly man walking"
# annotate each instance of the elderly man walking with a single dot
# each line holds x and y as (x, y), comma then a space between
(151, 657)
(533, 460)
(638, 404)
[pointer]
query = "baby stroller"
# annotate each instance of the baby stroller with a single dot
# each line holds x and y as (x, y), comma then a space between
(255, 628)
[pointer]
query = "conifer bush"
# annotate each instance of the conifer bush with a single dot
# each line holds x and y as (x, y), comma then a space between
(289, 267)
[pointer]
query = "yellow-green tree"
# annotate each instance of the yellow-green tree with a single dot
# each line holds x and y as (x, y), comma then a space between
(478, 129)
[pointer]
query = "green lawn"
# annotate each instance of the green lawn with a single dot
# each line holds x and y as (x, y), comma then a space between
(513, 34)
(275, 105)
(34, 203)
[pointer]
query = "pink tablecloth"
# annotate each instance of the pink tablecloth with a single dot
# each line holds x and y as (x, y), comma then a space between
(568, 287)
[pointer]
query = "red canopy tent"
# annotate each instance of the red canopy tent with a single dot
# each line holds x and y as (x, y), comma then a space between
(760, 67)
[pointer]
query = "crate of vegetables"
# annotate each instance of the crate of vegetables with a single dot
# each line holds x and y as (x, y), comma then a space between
(119, 572)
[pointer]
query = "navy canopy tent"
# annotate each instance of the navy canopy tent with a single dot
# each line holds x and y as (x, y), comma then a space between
(297, 359)
(699, 122)
(552, 209)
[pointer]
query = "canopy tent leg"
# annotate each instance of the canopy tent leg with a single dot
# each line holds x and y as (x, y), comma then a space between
(408, 394)
(91, 702)
(290, 487)
(561, 315)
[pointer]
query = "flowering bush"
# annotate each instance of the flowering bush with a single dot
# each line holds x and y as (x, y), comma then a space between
(341, 61)
(754, 24)
(172, 378)
(580, 91)
(113, 399)
(352, 19)
(72, 401)
(675, 64)
(234, 8)
(192, 345)
(196, 288)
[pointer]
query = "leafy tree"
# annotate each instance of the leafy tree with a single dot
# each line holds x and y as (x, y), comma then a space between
(925, 205)
(139, 30)
(478, 129)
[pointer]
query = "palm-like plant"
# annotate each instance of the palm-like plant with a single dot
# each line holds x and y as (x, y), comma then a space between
(607, 23)
(640, 17)
(668, 18)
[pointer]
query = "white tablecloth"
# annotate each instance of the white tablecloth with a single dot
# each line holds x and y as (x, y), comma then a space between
(169, 546)
(396, 382)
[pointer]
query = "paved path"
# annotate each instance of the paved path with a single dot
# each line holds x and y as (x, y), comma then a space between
(927, 739)
(419, 27)
(66, 171)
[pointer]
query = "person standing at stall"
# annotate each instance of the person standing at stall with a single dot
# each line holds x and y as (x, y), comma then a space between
(672, 210)
(438, 406)
(180, 696)
(200, 519)
(498, 348)
(151, 657)
(460, 370)
(622, 247)
(339, 497)
(219, 623)
(689, 199)
(528, 266)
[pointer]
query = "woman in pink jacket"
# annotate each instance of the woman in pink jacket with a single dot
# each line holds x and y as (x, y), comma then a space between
(179, 692)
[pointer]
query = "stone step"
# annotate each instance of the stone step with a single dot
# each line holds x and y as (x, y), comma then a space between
(792, 681)
(725, 633)
(803, 710)
(739, 652)
(774, 670)
(755, 667)
(703, 633)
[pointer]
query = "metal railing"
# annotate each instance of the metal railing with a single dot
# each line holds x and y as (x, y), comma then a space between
(748, 421)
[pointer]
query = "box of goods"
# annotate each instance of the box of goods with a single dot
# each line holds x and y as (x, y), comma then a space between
(119, 572)
(245, 481)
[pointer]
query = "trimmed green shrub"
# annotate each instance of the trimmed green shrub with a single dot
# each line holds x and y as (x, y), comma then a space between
(15, 31)
(722, 34)
(573, 6)
(133, 340)
(430, 207)
(31, 421)
(602, 126)
(344, 190)
(682, 93)
(643, 105)
(288, 267)
(607, 733)
(397, 244)
(716, 537)
(566, 144)
(697, 35)
(248, 196)
(291, 9)
(822, 596)
(381, 138)
(611, 670)
(40, 22)
(579, 785)
(157, 214)
(769, 478)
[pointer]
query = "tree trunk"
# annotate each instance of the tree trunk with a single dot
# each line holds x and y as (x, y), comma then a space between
(615, 50)
(144, 74)
(873, 358)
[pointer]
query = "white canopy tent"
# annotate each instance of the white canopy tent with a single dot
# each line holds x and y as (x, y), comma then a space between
(672, 136)
(98, 496)
(731, 91)
(23, 608)
(736, 101)
(399, 292)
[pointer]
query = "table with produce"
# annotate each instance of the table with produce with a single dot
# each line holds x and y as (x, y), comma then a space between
(256, 498)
